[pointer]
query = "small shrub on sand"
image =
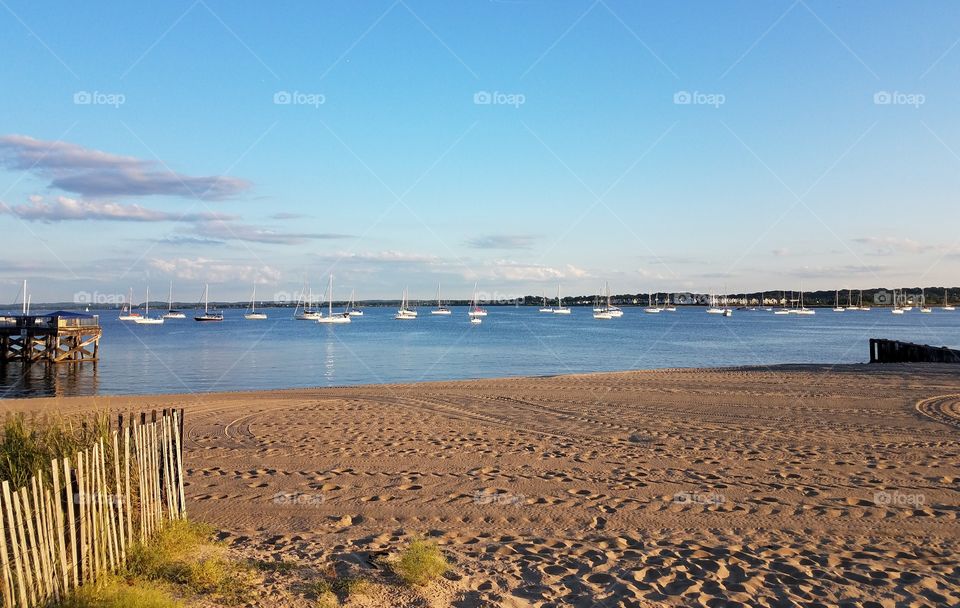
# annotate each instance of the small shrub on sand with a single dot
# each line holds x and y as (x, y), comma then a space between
(420, 563)
(115, 593)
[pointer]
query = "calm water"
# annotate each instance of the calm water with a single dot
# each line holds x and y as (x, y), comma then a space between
(186, 356)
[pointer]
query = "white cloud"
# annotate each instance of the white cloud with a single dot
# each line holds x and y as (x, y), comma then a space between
(215, 271)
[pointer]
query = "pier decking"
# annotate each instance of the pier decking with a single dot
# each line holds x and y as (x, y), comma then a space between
(56, 337)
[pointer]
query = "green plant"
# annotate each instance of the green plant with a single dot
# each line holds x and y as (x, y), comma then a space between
(28, 445)
(420, 563)
(113, 592)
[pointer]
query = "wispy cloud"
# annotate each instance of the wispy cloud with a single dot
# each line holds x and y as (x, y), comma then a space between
(94, 173)
(287, 216)
(181, 239)
(502, 241)
(254, 234)
(891, 245)
(64, 208)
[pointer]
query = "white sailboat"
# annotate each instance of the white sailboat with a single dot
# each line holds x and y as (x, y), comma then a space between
(475, 319)
(923, 303)
(897, 309)
(405, 313)
(309, 312)
(653, 306)
(253, 315)
(126, 312)
(713, 309)
(603, 312)
(545, 307)
(340, 317)
(475, 310)
(860, 305)
(145, 319)
(208, 316)
(171, 313)
(440, 309)
(801, 309)
(837, 307)
(946, 303)
(560, 309)
(352, 310)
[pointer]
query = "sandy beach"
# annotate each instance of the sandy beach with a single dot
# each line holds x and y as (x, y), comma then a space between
(795, 485)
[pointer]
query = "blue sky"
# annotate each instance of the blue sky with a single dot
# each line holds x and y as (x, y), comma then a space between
(658, 146)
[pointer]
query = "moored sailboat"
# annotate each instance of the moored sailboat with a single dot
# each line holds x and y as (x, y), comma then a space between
(440, 309)
(253, 315)
(145, 319)
(171, 313)
(340, 317)
(560, 309)
(208, 316)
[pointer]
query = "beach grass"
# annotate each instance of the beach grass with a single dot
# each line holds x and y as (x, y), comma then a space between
(115, 592)
(28, 445)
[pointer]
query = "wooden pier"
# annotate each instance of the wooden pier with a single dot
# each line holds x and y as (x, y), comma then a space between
(56, 337)
(893, 351)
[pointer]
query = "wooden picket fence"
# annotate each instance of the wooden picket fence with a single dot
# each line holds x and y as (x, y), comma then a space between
(77, 523)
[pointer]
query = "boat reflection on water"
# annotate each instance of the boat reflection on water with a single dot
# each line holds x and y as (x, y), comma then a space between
(40, 380)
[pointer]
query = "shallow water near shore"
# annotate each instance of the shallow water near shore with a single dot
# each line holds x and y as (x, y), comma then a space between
(183, 356)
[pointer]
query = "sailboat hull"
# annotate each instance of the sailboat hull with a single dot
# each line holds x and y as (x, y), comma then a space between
(255, 316)
(334, 320)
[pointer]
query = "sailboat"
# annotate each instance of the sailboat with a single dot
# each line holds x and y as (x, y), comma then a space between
(613, 311)
(340, 317)
(923, 302)
(560, 309)
(546, 307)
(126, 312)
(713, 309)
(145, 319)
(946, 303)
(207, 315)
(171, 313)
(405, 313)
(897, 309)
(603, 312)
(352, 310)
(309, 312)
(850, 304)
(860, 305)
(440, 309)
(801, 309)
(837, 307)
(253, 315)
(475, 310)
(668, 307)
(653, 306)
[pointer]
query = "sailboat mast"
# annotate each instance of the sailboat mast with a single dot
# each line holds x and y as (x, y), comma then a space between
(24, 297)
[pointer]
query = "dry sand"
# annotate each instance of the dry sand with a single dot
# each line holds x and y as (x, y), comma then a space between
(771, 487)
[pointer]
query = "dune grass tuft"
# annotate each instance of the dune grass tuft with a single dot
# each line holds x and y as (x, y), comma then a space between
(420, 563)
(28, 445)
(113, 592)
(184, 554)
